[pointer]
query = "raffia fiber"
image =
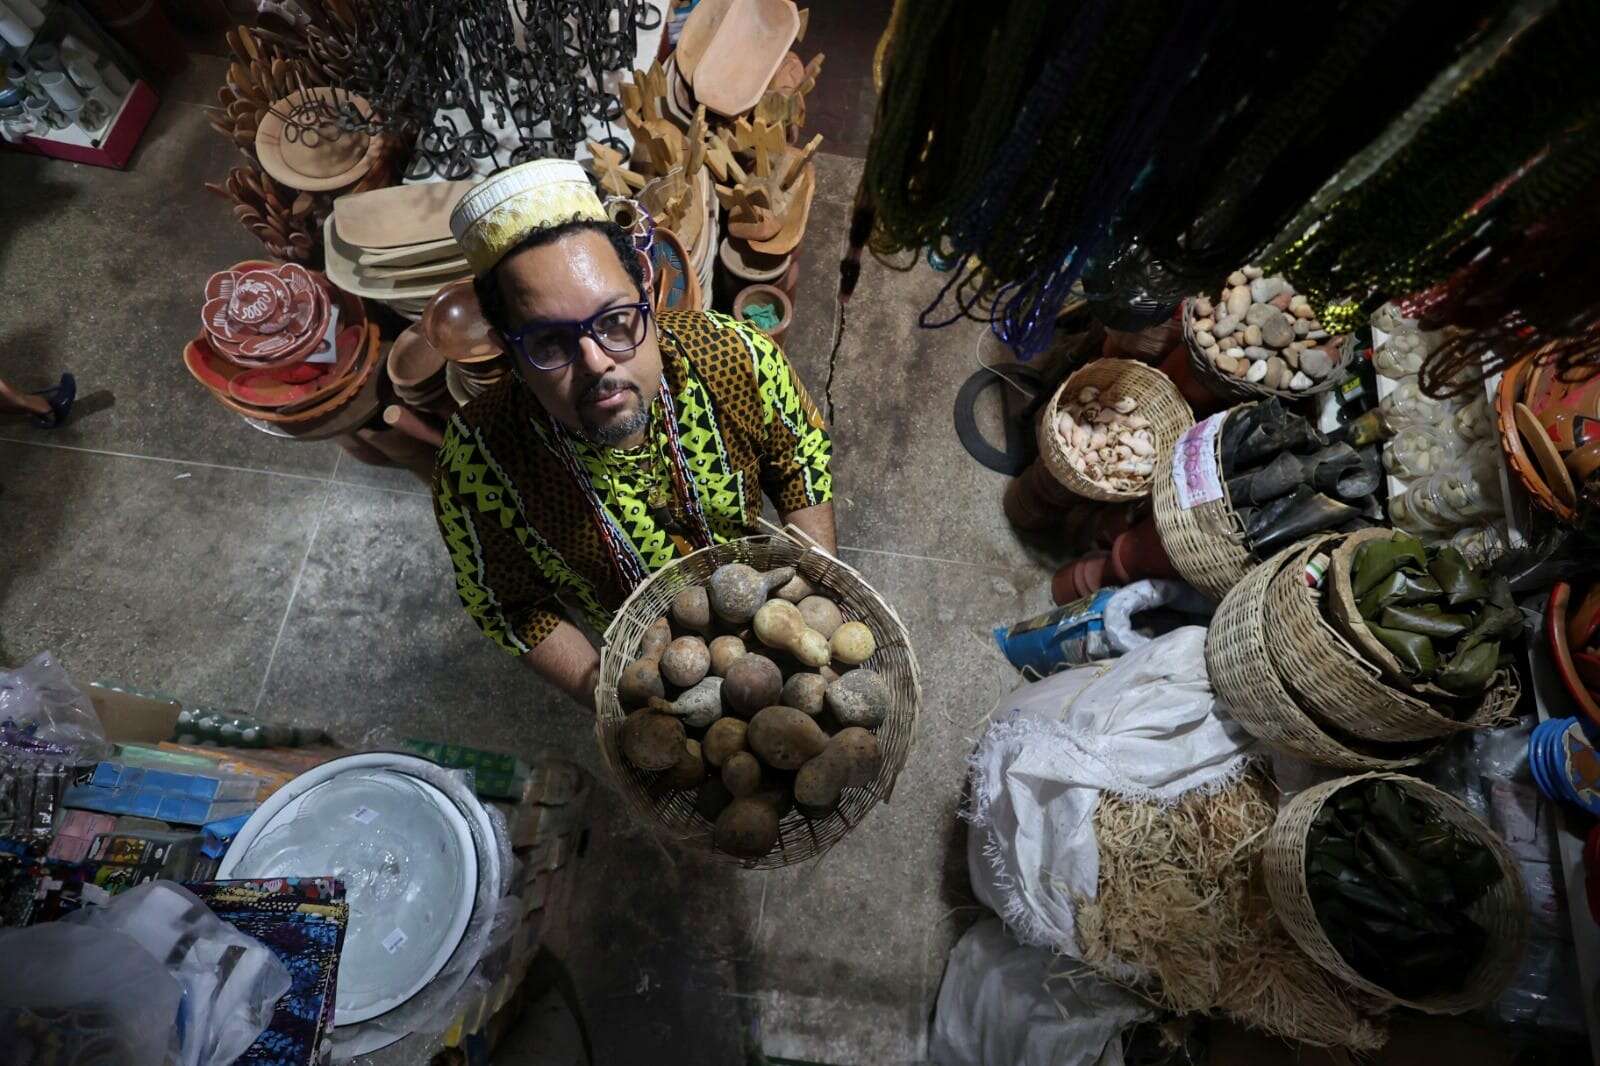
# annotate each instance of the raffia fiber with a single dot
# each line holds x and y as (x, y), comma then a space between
(1181, 905)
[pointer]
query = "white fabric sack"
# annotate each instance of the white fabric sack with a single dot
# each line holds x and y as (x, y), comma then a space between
(1145, 726)
(995, 1008)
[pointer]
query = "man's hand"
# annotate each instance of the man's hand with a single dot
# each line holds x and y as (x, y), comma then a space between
(568, 661)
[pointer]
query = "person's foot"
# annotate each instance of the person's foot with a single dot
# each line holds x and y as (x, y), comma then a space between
(59, 397)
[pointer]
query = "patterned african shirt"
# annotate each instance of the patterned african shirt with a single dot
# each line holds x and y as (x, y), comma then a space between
(519, 530)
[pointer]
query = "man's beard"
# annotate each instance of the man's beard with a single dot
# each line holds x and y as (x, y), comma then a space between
(614, 433)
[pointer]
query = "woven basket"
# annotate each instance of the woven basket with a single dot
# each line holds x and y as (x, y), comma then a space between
(673, 812)
(1228, 387)
(1503, 910)
(1159, 401)
(1332, 680)
(1205, 542)
(1244, 678)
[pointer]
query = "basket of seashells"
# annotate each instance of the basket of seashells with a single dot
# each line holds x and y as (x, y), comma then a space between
(1104, 429)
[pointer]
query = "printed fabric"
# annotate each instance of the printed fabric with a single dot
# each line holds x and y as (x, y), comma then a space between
(518, 530)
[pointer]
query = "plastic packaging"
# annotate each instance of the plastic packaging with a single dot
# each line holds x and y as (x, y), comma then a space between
(230, 981)
(1414, 452)
(43, 703)
(1408, 405)
(86, 997)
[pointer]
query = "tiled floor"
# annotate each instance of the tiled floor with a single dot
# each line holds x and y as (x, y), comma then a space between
(159, 541)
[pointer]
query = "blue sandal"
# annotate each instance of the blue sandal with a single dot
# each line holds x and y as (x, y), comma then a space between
(60, 398)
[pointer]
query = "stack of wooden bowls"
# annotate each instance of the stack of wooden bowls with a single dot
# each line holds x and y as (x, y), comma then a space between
(394, 245)
(417, 372)
(453, 324)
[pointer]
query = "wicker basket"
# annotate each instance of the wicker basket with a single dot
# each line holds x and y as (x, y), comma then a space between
(1204, 542)
(1503, 910)
(1159, 401)
(1244, 678)
(1228, 387)
(673, 812)
(1332, 680)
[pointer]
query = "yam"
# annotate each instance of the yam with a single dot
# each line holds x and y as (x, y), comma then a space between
(859, 698)
(784, 737)
(741, 773)
(858, 749)
(747, 828)
(805, 692)
(690, 769)
(752, 682)
(724, 650)
(821, 614)
(691, 610)
(685, 662)
(820, 781)
(651, 740)
(722, 739)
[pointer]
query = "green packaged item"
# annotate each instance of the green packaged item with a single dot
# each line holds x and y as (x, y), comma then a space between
(1425, 618)
(1402, 586)
(1461, 583)
(495, 774)
(1415, 651)
(1469, 671)
(1377, 559)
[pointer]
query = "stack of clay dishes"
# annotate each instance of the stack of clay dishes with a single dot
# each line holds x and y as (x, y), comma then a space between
(417, 371)
(280, 346)
(454, 325)
(394, 245)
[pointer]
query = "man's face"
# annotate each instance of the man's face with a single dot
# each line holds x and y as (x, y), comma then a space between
(604, 396)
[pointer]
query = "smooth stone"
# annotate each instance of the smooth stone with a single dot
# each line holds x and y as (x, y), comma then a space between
(1238, 301)
(1316, 362)
(1256, 372)
(1257, 352)
(1237, 278)
(1204, 339)
(1211, 352)
(1252, 334)
(1278, 330)
(1291, 355)
(1280, 301)
(1235, 352)
(1202, 307)
(1301, 327)
(1317, 335)
(1251, 272)
(1302, 310)
(1225, 325)
(1299, 383)
(1264, 289)
(1229, 365)
(1299, 300)
(1206, 324)
(1256, 314)
(1277, 373)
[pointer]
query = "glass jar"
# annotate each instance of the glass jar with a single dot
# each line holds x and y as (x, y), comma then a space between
(1407, 405)
(1414, 452)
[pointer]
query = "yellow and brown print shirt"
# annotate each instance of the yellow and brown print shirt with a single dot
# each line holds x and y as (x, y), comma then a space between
(518, 530)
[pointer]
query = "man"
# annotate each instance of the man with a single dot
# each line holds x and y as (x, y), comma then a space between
(624, 438)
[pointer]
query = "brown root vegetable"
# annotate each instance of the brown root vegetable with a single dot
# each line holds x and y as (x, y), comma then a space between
(652, 740)
(655, 639)
(711, 798)
(858, 749)
(741, 773)
(698, 707)
(725, 737)
(779, 624)
(818, 784)
(753, 682)
(852, 643)
(640, 683)
(805, 692)
(685, 662)
(691, 610)
(829, 674)
(784, 737)
(775, 794)
(795, 589)
(724, 650)
(737, 591)
(821, 614)
(747, 828)
(690, 769)
(859, 698)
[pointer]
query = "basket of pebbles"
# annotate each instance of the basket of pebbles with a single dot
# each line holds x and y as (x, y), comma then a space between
(1260, 337)
(756, 699)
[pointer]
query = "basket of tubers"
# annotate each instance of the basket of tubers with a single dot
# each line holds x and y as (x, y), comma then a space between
(756, 699)
(1103, 429)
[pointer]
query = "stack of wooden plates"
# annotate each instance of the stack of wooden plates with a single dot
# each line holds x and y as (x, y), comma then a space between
(394, 245)
(417, 371)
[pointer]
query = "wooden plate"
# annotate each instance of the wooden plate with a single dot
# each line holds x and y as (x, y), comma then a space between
(412, 254)
(699, 29)
(1543, 449)
(400, 216)
(747, 47)
(282, 158)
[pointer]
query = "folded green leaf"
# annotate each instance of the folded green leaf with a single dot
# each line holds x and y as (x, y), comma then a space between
(1461, 583)
(1427, 619)
(1468, 672)
(1377, 559)
(1415, 651)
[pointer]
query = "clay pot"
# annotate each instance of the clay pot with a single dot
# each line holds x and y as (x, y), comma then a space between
(1081, 577)
(1138, 553)
(766, 294)
(1036, 501)
(1200, 397)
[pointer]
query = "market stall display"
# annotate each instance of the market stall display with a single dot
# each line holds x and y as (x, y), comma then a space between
(1103, 429)
(781, 768)
(1261, 337)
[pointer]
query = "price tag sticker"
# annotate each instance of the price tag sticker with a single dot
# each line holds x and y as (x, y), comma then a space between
(394, 941)
(364, 815)
(1195, 477)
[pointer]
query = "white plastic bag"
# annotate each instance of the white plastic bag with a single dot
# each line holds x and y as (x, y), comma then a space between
(1000, 1006)
(42, 700)
(71, 994)
(1144, 726)
(231, 982)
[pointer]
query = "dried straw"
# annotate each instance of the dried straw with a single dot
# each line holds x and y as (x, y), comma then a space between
(1182, 919)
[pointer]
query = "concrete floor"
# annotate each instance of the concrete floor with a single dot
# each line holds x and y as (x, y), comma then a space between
(159, 541)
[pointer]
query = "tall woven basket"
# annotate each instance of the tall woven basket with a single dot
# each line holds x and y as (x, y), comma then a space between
(1502, 911)
(672, 813)
(1245, 678)
(1336, 684)
(1205, 542)
(1158, 399)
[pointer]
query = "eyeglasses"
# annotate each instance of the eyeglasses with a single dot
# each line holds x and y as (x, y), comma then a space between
(553, 345)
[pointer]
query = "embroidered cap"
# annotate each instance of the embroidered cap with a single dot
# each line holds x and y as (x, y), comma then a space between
(492, 216)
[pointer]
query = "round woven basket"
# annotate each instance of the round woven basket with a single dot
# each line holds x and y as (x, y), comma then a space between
(673, 812)
(1502, 911)
(1332, 680)
(1159, 401)
(1228, 387)
(1204, 542)
(1244, 677)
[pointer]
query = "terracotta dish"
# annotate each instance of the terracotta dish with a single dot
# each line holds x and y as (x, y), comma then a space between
(258, 315)
(1543, 449)
(454, 324)
(747, 46)
(399, 216)
(329, 159)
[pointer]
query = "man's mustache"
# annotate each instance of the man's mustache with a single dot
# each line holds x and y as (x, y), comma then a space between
(606, 386)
